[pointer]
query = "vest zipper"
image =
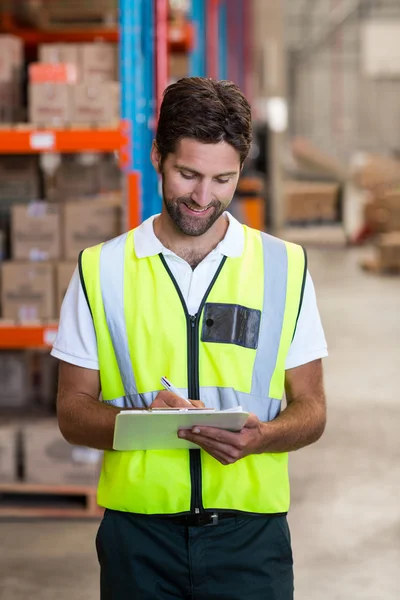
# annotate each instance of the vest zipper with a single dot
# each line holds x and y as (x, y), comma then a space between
(193, 323)
(194, 394)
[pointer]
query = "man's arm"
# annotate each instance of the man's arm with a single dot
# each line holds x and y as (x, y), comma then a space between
(300, 424)
(303, 421)
(83, 419)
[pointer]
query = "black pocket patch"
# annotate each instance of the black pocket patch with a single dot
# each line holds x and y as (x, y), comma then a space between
(231, 324)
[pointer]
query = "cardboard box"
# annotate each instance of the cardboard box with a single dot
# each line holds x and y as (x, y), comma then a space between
(27, 291)
(50, 103)
(88, 223)
(179, 66)
(14, 380)
(49, 459)
(96, 103)
(389, 251)
(43, 375)
(310, 201)
(64, 272)
(60, 53)
(53, 73)
(11, 57)
(36, 231)
(11, 65)
(9, 434)
(19, 178)
(382, 214)
(110, 175)
(73, 180)
(374, 171)
(99, 62)
(44, 13)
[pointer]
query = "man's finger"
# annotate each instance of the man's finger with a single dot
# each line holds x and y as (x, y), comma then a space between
(212, 446)
(165, 399)
(220, 435)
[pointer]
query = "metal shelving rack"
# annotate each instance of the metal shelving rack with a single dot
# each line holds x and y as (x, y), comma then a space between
(145, 39)
(215, 37)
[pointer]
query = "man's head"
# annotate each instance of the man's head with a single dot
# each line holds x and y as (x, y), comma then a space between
(203, 137)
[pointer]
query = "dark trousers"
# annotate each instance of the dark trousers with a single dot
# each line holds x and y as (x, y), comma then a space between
(149, 558)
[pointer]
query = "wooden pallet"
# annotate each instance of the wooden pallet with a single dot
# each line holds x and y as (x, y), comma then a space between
(23, 500)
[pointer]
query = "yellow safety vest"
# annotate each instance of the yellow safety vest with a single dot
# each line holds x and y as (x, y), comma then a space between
(233, 352)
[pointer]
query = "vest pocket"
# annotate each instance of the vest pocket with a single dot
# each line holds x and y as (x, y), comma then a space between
(231, 324)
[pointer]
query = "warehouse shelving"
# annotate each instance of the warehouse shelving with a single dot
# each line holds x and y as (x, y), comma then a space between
(145, 37)
(35, 140)
(27, 336)
(180, 36)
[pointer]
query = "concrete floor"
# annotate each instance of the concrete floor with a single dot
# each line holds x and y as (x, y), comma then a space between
(345, 515)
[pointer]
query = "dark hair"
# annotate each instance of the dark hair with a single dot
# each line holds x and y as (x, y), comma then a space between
(206, 110)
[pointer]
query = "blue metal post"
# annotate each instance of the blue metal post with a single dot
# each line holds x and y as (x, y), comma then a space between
(137, 73)
(242, 43)
(132, 88)
(198, 54)
(223, 40)
(151, 200)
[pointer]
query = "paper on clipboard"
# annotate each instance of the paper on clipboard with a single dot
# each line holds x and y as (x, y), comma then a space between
(158, 429)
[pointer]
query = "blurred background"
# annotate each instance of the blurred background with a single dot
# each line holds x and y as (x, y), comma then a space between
(80, 86)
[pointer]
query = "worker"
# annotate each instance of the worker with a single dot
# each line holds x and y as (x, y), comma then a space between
(229, 315)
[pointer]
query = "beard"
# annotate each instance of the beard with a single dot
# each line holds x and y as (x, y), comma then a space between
(188, 224)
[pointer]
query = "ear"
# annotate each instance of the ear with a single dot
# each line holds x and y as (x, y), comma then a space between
(155, 157)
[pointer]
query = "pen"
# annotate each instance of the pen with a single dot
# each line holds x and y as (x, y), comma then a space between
(171, 388)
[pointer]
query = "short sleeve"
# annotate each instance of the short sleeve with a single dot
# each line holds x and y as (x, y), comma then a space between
(76, 338)
(309, 342)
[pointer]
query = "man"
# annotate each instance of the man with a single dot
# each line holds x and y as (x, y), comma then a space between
(229, 316)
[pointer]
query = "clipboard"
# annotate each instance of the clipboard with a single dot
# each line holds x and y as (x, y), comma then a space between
(158, 429)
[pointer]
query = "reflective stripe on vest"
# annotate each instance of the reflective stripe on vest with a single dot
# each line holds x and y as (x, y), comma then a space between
(142, 331)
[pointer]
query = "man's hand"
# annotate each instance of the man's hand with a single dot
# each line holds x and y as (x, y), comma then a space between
(166, 399)
(228, 447)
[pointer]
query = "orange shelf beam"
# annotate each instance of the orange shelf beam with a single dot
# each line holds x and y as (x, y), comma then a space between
(20, 337)
(15, 141)
(180, 36)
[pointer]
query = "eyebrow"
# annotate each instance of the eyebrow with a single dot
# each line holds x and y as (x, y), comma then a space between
(183, 168)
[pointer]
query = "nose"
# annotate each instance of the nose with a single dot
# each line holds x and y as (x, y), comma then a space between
(202, 193)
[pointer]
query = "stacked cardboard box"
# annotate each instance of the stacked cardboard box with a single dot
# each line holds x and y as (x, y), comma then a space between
(14, 380)
(311, 202)
(48, 458)
(36, 231)
(178, 67)
(46, 13)
(82, 90)
(8, 452)
(375, 172)
(46, 240)
(27, 291)
(388, 248)
(19, 179)
(382, 213)
(11, 67)
(76, 179)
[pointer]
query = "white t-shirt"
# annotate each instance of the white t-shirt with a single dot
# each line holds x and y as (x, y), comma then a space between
(76, 339)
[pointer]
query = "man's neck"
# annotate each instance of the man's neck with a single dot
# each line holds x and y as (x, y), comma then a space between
(191, 248)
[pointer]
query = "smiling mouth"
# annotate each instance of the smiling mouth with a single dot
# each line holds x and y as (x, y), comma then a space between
(197, 211)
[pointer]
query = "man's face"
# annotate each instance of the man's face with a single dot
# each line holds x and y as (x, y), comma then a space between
(199, 181)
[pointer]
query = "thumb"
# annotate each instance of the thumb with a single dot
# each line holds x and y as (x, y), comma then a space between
(252, 422)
